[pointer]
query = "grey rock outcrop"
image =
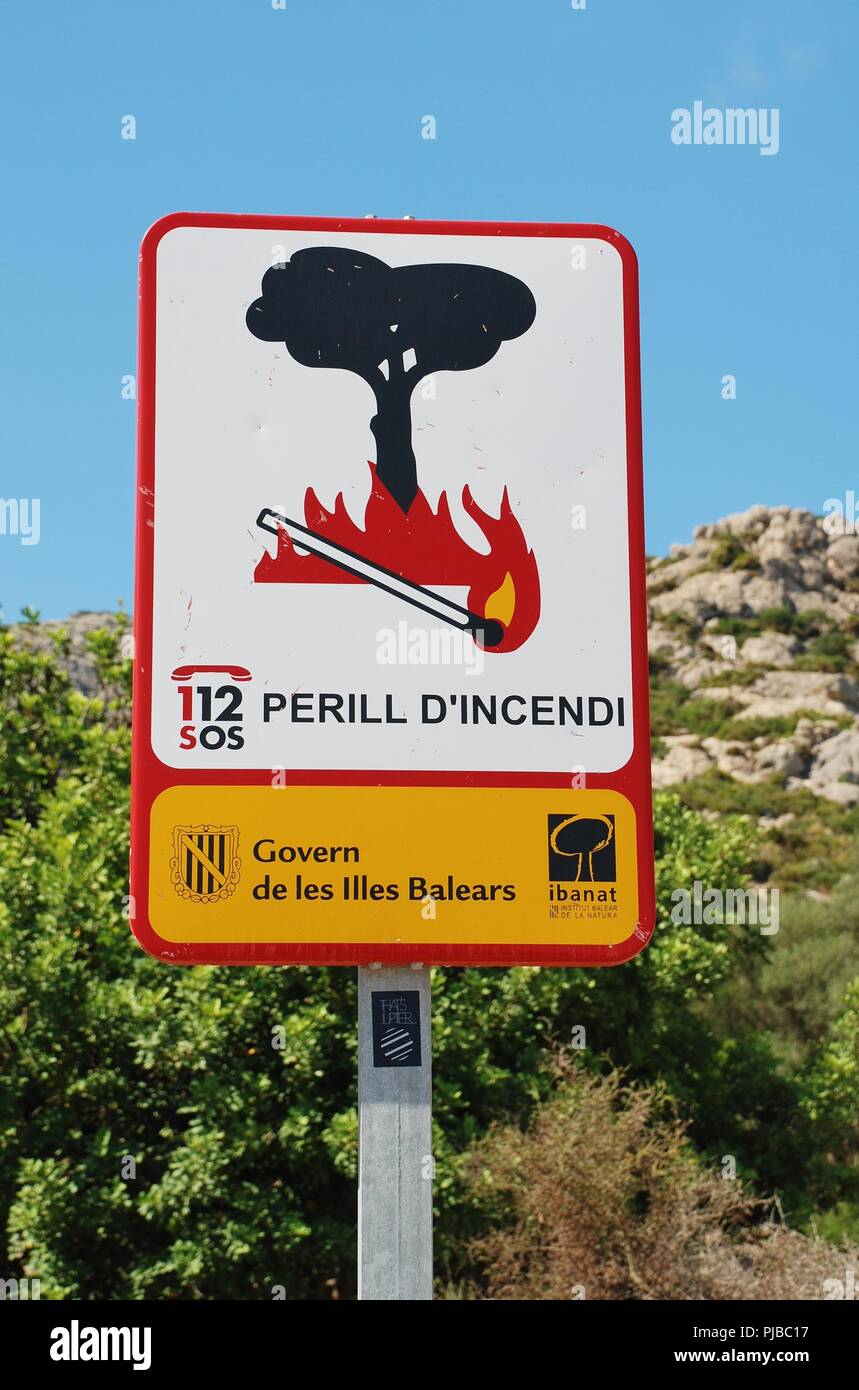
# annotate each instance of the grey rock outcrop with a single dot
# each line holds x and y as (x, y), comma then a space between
(727, 626)
(78, 660)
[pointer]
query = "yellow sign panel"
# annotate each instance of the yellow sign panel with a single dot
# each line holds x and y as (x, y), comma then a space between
(459, 865)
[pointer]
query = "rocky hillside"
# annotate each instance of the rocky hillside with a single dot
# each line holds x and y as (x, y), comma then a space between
(755, 676)
(74, 652)
(756, 623)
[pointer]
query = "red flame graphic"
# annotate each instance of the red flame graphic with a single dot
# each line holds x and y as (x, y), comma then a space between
(425, 547)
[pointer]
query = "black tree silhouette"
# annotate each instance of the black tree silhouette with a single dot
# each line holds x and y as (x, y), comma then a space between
(333, 307)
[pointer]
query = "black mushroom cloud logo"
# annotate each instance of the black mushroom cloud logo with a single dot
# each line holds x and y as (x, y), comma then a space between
(333, 307)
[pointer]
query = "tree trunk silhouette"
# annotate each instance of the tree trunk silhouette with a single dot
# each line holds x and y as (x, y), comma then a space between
(586, 868)
(392, 431)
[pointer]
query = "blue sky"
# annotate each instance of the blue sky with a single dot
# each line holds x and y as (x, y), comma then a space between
(543, 112)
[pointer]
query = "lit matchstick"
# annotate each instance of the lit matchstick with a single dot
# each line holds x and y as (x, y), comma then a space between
(487, 631)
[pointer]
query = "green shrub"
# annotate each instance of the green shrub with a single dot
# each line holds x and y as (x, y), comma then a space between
(746, 560)
(717, 791)
(708, 718)
(802, 625)
(602, 1197)
(829, 651)
(814, 850)
(680, 621)
(739, 675)
(741, 628)
(761, 726)
(727, 549)
(673, 711)
(831, 1104)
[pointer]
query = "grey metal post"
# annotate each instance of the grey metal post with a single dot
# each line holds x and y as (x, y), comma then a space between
(395, 1173)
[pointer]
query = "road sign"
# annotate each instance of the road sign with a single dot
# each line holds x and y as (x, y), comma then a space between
(391, 669)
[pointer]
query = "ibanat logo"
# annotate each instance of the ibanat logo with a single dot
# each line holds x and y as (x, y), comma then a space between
(76, 1343)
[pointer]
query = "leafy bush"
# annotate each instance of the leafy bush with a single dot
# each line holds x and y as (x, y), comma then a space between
(829, 651)
(800, 987)
(746, 560)
(787, 620)
(815, 849)
(831, 1104)
(602, 1197)
(727, 549)
(732, 552)
(717, 791)
(43, 730)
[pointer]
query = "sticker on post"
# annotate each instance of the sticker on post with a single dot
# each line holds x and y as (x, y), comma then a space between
(396, 1028)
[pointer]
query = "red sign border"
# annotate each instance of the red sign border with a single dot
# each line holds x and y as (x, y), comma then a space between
(150, 776)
